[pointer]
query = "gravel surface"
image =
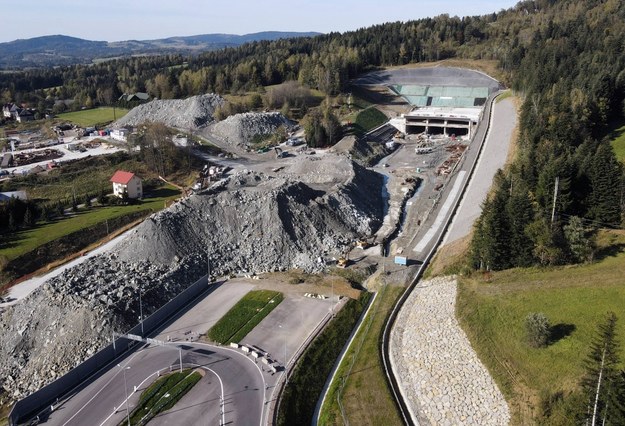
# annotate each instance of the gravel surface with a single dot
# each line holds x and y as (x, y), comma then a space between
(240, 129)
(492, 158)
(442, 378)
(191, 113)
(431, 76)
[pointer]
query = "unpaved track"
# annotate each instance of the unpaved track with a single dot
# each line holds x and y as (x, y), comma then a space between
(494, 154)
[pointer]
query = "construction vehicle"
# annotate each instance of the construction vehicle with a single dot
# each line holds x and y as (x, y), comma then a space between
(362, 243)
(344, 259)
(279, 152)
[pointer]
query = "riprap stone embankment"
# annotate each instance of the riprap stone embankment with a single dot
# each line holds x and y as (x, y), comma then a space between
(442, 378)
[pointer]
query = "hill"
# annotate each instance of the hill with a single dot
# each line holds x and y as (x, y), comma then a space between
(56, 50)
(542, 385)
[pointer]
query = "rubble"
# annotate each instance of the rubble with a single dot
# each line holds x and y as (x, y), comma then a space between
(190, 114)
(249, 223)
(240, 129)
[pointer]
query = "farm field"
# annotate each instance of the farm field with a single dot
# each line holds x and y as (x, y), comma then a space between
(244, 316)
(91, 117)
(492, 310)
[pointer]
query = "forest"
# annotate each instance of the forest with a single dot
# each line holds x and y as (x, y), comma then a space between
(564, 58)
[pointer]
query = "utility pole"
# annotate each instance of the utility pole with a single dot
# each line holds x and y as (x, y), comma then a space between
(555, 197)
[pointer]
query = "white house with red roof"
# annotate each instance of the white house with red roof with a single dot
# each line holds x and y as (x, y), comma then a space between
(127, 182)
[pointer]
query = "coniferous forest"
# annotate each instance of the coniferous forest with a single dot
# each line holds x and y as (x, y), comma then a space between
(566, 59)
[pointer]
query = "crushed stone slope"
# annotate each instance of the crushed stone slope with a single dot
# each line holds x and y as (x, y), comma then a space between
(240, 129)
(191, 113)
(250, 222)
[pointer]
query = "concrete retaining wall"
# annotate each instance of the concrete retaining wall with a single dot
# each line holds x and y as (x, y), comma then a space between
(40, 402)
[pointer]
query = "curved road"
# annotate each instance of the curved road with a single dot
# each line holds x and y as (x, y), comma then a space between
(103, 401)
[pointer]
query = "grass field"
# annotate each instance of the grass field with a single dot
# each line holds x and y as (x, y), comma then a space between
(575, 299)
(364, 392)
(618, 142)
(87, 175)
(368, 119)
(91, 117)
(29, 239)
(162, 395)
(244, 316)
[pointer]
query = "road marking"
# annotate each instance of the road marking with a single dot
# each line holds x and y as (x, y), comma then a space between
(440, 218)
(98, 392)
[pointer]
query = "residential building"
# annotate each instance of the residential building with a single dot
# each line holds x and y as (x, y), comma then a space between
(127, 182)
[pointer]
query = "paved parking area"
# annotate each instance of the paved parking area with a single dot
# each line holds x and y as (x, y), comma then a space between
(288, 326)
(201, 317)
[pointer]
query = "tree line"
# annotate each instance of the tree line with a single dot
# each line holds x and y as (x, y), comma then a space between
(565, 58)
(566, 181)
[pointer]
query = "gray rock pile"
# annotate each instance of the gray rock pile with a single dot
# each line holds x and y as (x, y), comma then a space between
(240, 129)
(442, 377)
(191, 113)
(75, 314)
(249, 222)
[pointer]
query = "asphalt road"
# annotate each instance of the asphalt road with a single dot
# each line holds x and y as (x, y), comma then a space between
(103, 402)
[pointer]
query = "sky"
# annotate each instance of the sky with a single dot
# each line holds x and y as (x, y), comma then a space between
(115, 20)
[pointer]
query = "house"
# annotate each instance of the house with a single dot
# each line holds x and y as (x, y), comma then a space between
(136, 97)
(127, 182)
(9, 110)
(23, 115)
(120, 134)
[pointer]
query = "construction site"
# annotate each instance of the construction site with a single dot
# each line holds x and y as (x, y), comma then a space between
(253, 214)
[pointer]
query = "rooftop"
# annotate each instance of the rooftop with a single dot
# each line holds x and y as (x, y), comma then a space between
(122, 177)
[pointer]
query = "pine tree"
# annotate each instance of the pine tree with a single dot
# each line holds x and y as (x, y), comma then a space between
(606, 177)
(520, 213)
(29, 217)
(602, 383)
(580, 247)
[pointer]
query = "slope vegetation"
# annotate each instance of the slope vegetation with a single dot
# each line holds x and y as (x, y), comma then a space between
(540, 384)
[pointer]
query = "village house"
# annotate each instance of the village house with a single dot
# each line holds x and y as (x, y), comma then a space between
(9, 110)
(127, 182)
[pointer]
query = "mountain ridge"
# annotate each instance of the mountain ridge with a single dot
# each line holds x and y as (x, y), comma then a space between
(58, 49)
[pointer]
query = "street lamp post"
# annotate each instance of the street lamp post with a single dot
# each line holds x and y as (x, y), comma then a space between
(126, 391)
(141, 309)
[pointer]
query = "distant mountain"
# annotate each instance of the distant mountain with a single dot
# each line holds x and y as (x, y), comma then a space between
(64, 50)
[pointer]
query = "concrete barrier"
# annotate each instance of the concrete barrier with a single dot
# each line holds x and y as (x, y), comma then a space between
(42, 400)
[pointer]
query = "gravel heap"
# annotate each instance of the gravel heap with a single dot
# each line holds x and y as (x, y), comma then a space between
(240, 129)
(191, 113)
(443, 379)
(250, 222)
(75, 314)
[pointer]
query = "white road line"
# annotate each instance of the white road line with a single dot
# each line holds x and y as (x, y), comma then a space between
(98, 392)
(440, 218)
(222, 403)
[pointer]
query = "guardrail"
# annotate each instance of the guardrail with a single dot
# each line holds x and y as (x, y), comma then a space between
(44, 400)
(406, 412)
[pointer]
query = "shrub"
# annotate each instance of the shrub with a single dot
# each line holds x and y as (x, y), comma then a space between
(537, 327)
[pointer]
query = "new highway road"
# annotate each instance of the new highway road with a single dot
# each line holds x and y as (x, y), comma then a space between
(231, 391)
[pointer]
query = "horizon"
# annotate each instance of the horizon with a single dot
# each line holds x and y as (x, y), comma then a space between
(164, 20)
